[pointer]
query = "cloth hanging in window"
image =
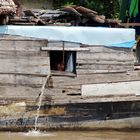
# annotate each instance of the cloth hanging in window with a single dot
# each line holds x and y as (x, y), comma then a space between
(134, 8)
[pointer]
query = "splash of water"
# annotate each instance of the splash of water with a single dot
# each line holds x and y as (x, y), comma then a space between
(37, 133)
(40, 100)
(33, 133)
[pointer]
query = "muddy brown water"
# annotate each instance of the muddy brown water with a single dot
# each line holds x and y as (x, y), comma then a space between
(72, 135)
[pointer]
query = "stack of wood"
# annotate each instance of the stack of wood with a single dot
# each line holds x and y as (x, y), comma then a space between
(88, 17)
(29, 19)
(85, 12)
(41, 17)
(7, 7)
(67, 16)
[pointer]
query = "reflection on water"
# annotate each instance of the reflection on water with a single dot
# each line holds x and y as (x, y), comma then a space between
(71, 135)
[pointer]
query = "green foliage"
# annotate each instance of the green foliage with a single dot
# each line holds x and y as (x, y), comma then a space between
(68, 4)
(109, 8)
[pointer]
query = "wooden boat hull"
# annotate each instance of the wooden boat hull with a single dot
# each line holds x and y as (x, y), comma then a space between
(80, 116)
(25, 63)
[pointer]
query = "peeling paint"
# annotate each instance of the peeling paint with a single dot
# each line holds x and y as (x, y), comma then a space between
(12, 109)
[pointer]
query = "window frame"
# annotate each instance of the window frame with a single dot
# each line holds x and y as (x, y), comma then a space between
(64, 47)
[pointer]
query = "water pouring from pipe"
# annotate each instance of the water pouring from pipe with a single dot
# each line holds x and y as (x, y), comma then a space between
(40, 99)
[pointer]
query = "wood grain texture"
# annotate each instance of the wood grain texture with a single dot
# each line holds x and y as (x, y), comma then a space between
(24, 62)
(23, 45)
(101, 58)
(23, 56)
(21, 79)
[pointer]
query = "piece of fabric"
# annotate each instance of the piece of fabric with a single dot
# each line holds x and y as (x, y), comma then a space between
(134, 4)
(123, 9)
(118, 37)
(69, 62)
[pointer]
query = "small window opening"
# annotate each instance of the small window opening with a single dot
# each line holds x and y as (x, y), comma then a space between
(63, 61)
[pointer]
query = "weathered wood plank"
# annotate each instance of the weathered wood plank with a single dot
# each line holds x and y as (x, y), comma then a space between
(120, 88)
(85, 71)
(61, 44)
(24, 62)
(62, 73)
(95, 78)
(26, 66)
(19, 92)
(105, 67)
(104, 49)
(102, 61)
(105, 56)
(24, 80)
(10, 54)
(63, 49)
(23, 45)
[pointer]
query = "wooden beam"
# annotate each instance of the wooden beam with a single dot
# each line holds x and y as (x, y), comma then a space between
(129, 24)
(62, 73)
(61, 49)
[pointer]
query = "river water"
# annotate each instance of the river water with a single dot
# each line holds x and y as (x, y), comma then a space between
(72, 135)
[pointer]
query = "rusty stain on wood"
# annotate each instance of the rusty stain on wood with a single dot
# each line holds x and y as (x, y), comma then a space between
(56, 111)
